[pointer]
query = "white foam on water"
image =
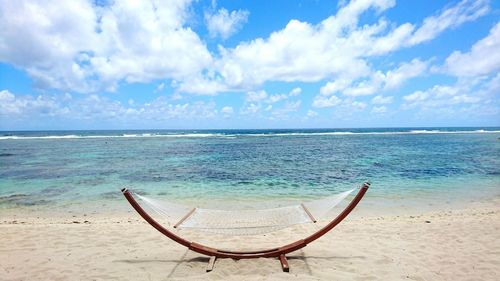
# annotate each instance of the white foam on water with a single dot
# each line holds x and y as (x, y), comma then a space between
(229, 136)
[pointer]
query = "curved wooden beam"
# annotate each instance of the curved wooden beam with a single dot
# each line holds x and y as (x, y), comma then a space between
(273, 252)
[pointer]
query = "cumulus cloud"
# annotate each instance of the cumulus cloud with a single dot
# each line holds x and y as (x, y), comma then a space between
(98, 109)
(463, 100)
(395, 78)
(284, 111)
(379, 109)
(160, 87)
(382, 99)
(376, 82)
(251, 109)
(82, 47)
(466, 10)
(358, 105)
(483, 58)
(227, 111)
(256, 96)
(335, 86)
(77, 46)
(295, 92)
(311, 114)
(340, 47)
(224, 23)
(477, 85)
(271, 106)
(439, 95)
(322, 101)
(262, 96)
(41, 106)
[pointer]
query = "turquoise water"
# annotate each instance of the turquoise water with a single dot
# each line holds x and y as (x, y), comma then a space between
(54, 169)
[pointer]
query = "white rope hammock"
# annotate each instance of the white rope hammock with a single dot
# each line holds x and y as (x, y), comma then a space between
(243, 222)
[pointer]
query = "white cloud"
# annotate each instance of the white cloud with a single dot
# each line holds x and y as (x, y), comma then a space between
(160, 87)
(276, 98)
(335, 86)
(483, 58)
(256, 96)
(382, 100)
(42, 106)
(80, 47)
(251, 108)
(289, 107)
(86, 48)
(223, 23)
(311, 114)
(257, 102)
(358, 105)
(322, 101)
(416, 96)
(263, 97)
(439, 96)
(379, 109)
(295, 92)
(395, 78)
(8, 103)
(227, 111)
(97, 109)
(378, 81)
(365, 87)
(466, 10)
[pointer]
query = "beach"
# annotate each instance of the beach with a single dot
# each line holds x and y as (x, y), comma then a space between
(431, 213)
(454, 244)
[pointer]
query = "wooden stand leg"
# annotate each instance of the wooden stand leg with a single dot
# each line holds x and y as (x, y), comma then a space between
(211, 263)
(284, 264)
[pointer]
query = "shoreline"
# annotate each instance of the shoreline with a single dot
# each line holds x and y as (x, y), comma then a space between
(369, 206)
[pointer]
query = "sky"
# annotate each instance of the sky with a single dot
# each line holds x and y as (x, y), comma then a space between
(181, 64)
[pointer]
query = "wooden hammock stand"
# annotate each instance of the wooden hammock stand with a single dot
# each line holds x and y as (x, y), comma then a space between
(278, 252)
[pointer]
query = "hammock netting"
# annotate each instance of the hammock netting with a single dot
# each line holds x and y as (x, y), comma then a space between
(243, 222)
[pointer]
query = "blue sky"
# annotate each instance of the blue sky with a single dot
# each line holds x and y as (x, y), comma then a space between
(183, 64)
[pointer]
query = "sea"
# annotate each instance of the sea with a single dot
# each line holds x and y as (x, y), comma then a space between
(407, 167)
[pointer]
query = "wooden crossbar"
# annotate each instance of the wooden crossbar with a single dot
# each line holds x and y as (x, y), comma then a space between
(184, 218)
(308, 213)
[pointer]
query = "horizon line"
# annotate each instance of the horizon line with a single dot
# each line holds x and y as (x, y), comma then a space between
(235, 129)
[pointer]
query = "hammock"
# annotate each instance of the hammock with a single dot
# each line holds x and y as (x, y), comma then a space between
(243, 222)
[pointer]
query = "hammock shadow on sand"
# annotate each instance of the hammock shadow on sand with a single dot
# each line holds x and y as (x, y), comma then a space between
(203, 260)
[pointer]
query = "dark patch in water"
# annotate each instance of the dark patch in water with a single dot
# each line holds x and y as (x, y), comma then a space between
(141, 192)
(244, 182)
(12, 198)
(6, 154)
(23, 200)
(92, 181)
(34, 203)
(54, 191)
(111, 195)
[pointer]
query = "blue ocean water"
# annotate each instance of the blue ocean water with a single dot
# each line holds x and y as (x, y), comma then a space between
(56, 168)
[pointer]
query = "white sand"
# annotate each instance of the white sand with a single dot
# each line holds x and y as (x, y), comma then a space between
(455, 245)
